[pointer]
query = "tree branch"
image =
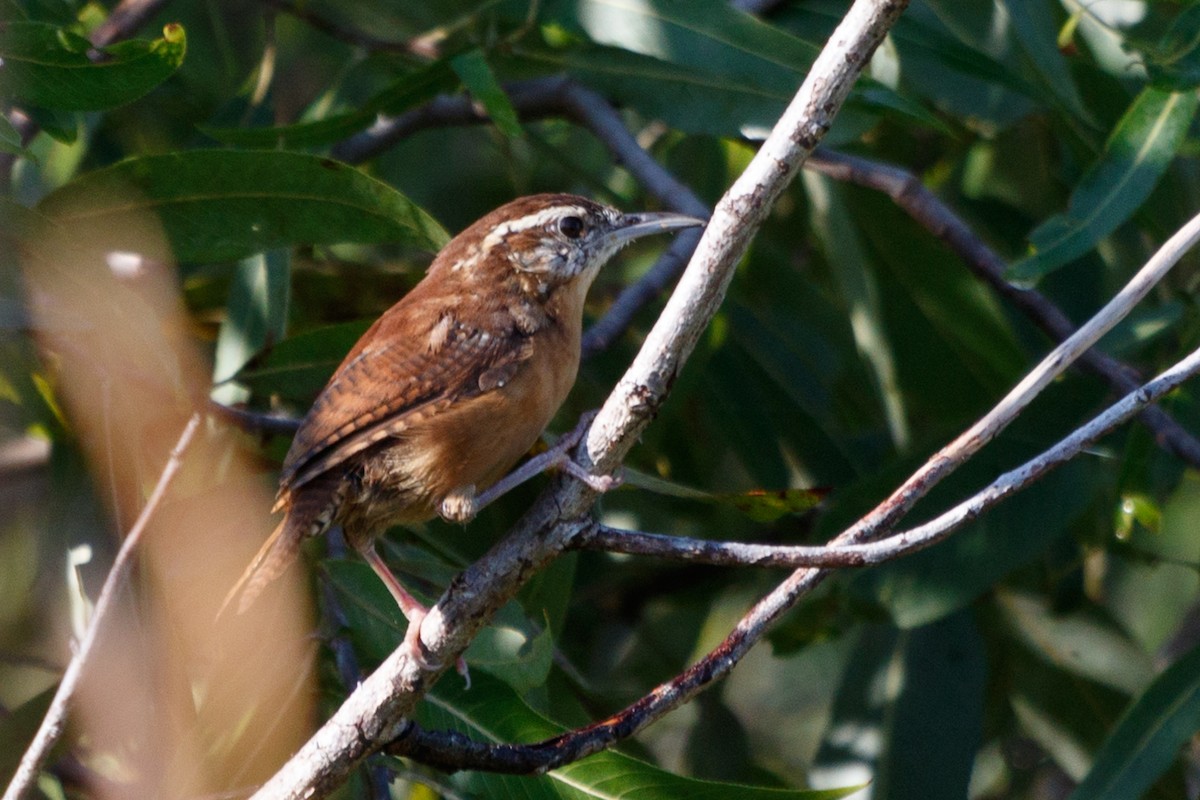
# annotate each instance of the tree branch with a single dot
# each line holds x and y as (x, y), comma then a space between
(935, 216)
(374, 714)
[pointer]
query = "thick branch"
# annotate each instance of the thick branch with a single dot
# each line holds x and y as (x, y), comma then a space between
(373, 714)
(938, 218)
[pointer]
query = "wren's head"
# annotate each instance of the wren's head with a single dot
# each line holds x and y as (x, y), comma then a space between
(549, 240)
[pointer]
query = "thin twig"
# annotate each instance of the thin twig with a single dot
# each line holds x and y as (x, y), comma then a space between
(938, 218)
(52, 725)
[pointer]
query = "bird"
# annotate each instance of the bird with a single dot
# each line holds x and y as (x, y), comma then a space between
(450, 387)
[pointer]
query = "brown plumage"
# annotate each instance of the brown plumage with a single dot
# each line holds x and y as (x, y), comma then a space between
(452, 385)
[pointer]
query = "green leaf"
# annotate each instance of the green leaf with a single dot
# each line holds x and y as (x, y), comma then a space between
(472, 68)
(217, 205)
(1148, 738)
(1135, 157)
(936, 714)
(697, 44)
(697, 34)
(490, 711)
(1033, 23)
(1174, 62)
(10, 138)
(297, 368)
(256, 317)
(17, 729)
(399, 96)
(51, 67)
(1078, 643)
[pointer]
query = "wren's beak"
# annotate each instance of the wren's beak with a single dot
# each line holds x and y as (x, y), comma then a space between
(635, 226)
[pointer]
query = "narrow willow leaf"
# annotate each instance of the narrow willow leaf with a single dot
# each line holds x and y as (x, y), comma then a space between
(50, 67)
(712, 41)
(1134, 158)
(1033, 23)
(220, 205)
(472, 68)
(1148, 738)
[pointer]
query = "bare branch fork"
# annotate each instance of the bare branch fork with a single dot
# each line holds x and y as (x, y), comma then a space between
(373, 714)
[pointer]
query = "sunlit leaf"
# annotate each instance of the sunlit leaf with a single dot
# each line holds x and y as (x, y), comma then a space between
(44, 65)
(1134, 158)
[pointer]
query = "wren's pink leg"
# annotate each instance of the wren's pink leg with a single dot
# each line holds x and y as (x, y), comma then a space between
(410, 607)
(463, 504)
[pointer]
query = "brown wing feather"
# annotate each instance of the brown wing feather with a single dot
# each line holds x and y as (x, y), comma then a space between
(440, 361)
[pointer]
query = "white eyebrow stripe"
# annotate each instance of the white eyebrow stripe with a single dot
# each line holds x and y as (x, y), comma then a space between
(535, 220)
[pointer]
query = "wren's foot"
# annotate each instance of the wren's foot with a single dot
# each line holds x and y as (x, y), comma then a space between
(462, 504)
(413, 611)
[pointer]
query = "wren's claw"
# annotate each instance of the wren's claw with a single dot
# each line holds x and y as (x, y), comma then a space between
(601, 483)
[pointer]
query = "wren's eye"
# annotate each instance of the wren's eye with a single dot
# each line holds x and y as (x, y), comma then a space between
(571, 227)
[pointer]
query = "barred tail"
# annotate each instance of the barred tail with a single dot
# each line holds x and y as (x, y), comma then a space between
(276, 554)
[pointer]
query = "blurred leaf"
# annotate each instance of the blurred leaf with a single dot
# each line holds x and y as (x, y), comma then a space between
(51, 67)
(1135, 157)
(256, 316)
(1136, 509)
(472, 68)
(1076, 643)
(1033, 23)
(218, 205)
(704, 34)
(297, 368)
(936, 717)
(1174, 61)
(760, 505)
(10, 138)
(491, 712)
(511, 653)
(1148, 738)
(17, 729)
(409, 90)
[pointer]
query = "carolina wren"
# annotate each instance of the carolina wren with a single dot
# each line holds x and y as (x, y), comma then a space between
(452, 385)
